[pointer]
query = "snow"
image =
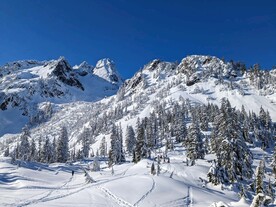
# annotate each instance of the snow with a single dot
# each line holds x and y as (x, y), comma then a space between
(132, 184)
(105, 69)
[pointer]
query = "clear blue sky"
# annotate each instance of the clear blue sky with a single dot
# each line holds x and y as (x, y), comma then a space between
(134, 32)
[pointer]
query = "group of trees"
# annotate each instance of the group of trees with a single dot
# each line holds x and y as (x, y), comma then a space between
(116, 153)
(231, 132)
(46, 151)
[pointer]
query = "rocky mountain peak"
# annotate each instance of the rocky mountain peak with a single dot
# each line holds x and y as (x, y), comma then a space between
(106, 69)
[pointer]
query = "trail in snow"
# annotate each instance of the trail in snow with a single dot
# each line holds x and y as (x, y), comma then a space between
(181, 202)
(42, 199)
(118, 200)
(145, 195)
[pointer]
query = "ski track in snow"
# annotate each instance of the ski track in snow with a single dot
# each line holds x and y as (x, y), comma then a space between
(42, 199)
(181, 202)
(119, 201)
(48, 196)
(145, 195)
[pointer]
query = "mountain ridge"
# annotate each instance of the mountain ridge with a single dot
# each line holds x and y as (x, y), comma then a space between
(200, 78)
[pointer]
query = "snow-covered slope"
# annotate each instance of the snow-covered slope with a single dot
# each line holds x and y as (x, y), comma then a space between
(130, 185)
(82, 98)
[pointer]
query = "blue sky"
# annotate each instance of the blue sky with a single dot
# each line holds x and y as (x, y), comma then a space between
(133, 33)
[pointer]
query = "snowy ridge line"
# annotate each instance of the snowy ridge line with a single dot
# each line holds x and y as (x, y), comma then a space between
(144, 196)
(118, 200)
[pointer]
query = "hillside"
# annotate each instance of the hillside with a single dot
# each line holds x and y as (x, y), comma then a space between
(91, 101)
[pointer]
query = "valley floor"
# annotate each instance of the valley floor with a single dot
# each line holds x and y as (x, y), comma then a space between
(34, 184)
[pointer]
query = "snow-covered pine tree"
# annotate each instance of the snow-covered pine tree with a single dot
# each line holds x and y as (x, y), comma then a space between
(180, 129)
(24, 146)
(39, 150)
(62, 146)
(260, 177)
(194, 143)
(258, 200)
(54, 150)
(103, 147)
(96, 164)
(85, 140)
(140, 143)
(33, 150)
(269, 190)
(152, 169)
(47, 152)
(120, 137)
(7, 152)
(116, 152)
(273, 163)
(130, 139)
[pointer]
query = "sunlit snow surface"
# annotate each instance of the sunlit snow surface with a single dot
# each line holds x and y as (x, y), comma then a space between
(34, 184)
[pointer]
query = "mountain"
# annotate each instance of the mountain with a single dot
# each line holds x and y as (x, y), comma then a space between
(26, 85)
(203, 93)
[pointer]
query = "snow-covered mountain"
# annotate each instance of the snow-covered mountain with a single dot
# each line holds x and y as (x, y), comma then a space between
(87, 99)
(26, 85)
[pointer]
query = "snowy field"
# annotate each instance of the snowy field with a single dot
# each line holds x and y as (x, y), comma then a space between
(130, 184)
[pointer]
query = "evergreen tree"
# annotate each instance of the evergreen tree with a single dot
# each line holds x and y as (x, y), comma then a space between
(39, 151)
(54, 150)
(47, 152)
(116, 154)
(273, 164)
(140, 143)
(152, 169)
(194, 143)
(269, 190)
(24, 146)
(258, 200)
(85, 140)
(259, 177)
(33, 152)
(130, 139)
(7, 152)
(96, 165)
(121, 149)
(180, 130)
(62, 146)
(103, 147)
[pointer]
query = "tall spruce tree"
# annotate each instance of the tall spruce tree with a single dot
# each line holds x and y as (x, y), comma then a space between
(180, 129)
(103, 147)
(47, 152)
(194, 143)
(273, 164)
(260, 177)
(130, 139)
(62, 146)
(33, 150)
(85, 140)
(24, 146)
(116, 154)
(140, 143)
